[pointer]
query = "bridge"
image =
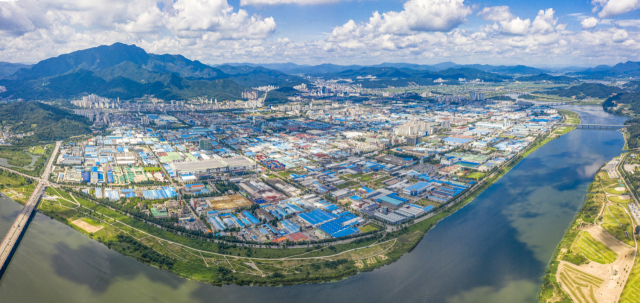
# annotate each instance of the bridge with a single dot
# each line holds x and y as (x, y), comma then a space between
(10, 242)
(596, 126)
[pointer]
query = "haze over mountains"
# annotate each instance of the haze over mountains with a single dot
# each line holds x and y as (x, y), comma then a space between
(127, 72)
(292, 68)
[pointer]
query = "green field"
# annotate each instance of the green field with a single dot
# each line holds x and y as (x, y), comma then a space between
(620, 200)
(616, 222)
(369, 228)
(572, 117)
(612, 190)
(37, 150)
(631, 291)
(474, 175)
(152, 169)
(365, 178)
(593, 249)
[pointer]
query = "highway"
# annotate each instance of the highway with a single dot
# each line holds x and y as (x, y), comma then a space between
(12, 239)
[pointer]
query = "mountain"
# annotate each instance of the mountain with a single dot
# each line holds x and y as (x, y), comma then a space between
(626, 69)
(7, 69)
(127, 72)
(546, 77)
(391, 76)
(506, 69)
(585, 90)
(107, 56)
(318, 70)
(48, 123)
(82, 82)
(253, 76)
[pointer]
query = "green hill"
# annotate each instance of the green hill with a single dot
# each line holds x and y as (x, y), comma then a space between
(546, 77)
(585, 90)
(7, 69)
(280, 95)
(47, 122)
(83, 82)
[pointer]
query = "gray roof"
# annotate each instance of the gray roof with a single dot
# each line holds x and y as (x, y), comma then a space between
(239, 161)
(198, 165)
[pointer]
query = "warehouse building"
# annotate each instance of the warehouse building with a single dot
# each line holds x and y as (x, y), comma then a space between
(214, 166)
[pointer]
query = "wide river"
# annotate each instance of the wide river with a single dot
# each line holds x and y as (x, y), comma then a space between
(495, 249)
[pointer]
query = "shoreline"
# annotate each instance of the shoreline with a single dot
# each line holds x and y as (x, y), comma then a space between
(409, 235)
(550, 290)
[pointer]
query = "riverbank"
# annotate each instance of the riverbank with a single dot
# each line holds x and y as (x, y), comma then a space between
(599, 238)
(220, 263)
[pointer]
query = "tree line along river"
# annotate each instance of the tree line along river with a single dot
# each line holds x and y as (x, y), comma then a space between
(495, 249)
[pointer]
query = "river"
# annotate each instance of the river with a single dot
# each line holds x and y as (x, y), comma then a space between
(495, 249)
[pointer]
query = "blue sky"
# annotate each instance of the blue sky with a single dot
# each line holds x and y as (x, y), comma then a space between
(536, 33)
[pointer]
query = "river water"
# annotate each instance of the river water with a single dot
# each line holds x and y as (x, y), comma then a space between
(495, 249)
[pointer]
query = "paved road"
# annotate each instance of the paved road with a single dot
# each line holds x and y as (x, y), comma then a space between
(11, 240)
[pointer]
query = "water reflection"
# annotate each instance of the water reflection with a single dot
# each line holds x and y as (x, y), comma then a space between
(493, 250)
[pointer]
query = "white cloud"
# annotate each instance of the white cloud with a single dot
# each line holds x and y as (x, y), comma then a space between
(589, 23)
(215, 19)
(515, 26)
(496, 13)
(417, 16)
(189, 19)
(278, 2)
(215, 32)
(612, 8)
(620, 35)
(14, 20)
(544, 22)
(628, 23)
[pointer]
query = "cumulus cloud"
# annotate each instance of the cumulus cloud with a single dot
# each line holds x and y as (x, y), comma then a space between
(628, 23)
(544, 22)
(417, 16)
(213, 31)
(14, 20)
(612, 8)
(589, 23)
(620, 35)
(496, 13)
(190, 19)
(515, 26)
(198, 18)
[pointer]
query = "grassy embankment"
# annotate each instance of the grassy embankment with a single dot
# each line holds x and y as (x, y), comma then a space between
(16, 187)
(220, 263)
(579, 247)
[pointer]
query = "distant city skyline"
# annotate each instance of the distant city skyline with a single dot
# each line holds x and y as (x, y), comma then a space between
(541, 33)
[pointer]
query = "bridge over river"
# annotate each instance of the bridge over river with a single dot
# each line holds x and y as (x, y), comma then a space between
(12, 239)
(596, 126)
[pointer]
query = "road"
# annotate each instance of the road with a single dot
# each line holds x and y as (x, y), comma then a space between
(12, 239)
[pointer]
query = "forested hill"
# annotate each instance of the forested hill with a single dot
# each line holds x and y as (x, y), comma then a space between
(128, 72)
(587, 90)
(47, 122)
(546, 77)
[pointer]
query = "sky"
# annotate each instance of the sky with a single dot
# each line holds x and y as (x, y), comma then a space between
(541, 33)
